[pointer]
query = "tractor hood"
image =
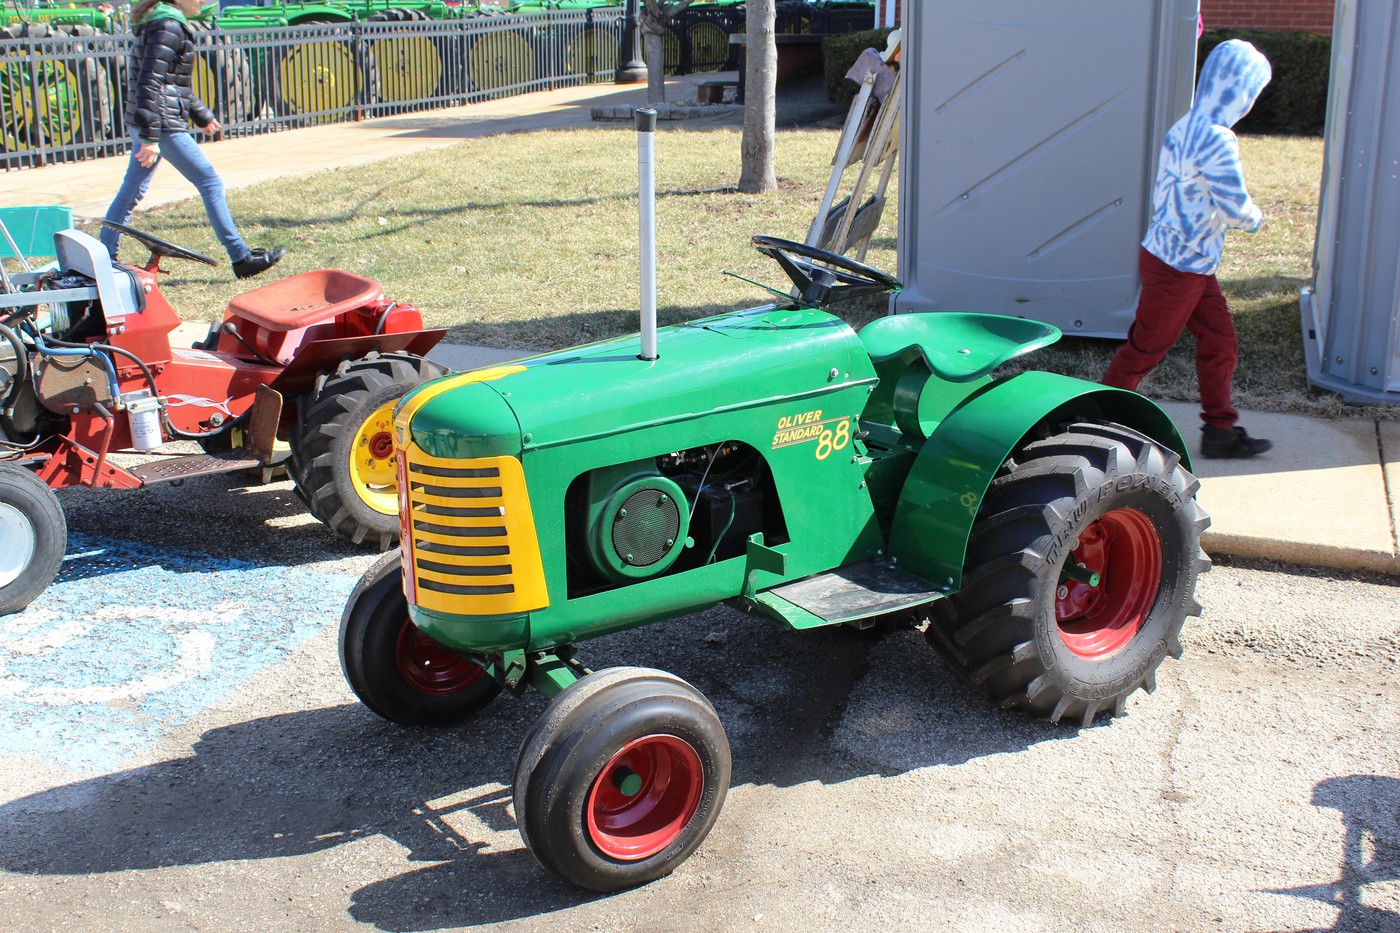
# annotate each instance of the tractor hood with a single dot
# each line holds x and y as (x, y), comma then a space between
(731, 361)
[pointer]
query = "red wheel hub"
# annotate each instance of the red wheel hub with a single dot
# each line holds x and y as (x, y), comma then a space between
(381, 446)
(1123, 549)
(430, 668)
(644, 797)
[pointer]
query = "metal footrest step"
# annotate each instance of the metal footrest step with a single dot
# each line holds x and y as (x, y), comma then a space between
(859, 591)
(170, 469)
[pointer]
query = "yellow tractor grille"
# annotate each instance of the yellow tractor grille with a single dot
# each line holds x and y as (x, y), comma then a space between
(470, 536)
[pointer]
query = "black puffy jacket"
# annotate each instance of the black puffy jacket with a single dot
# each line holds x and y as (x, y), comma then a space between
(160, 99)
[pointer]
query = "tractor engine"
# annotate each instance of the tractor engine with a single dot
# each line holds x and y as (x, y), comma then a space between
(682, 510)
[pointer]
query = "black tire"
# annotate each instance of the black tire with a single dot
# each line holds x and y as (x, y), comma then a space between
(576, 812)
(591, 52)
(96, 123)
(410, 67)
(74, 98)
(1021, 632)
(223, 76)
(343, 406)
(501, 60)
(33, 537)
(316, 82)
(397, 671)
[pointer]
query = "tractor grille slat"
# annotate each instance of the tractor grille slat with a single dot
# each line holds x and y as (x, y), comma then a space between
(492, 512)
(464, 570)
(423, 469)
(458, 590)
(463, 550)
(485, 531)
(451, 492)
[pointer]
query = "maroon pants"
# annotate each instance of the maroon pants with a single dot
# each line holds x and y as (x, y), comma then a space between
(1173, 301)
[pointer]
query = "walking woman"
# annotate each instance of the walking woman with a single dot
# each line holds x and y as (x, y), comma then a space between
(160, 104)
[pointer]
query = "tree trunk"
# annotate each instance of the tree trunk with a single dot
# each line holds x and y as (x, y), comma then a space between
(654, 15)
(761, 99)
(653, 33)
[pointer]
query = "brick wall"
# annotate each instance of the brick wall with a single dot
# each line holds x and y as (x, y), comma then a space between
(1280, 15)
(1276, 15)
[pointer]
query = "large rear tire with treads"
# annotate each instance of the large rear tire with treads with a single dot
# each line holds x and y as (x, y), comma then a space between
(1081, 570)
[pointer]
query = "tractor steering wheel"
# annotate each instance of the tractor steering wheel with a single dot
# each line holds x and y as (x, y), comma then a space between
(159, 247)
(822, 277)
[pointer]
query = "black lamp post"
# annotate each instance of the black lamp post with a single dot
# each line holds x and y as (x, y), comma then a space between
(630, 67)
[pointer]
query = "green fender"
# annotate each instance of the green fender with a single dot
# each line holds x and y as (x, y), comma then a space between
(955, 467)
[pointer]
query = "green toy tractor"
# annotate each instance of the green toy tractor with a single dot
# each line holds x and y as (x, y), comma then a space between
(1045, 529)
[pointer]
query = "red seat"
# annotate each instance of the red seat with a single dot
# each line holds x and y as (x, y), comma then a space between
(305, 299)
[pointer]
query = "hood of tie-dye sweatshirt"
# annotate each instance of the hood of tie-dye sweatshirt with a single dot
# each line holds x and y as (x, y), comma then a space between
(1230, 82)
(1199, 191)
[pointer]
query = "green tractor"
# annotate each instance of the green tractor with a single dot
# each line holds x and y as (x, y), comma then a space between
(1044, 529)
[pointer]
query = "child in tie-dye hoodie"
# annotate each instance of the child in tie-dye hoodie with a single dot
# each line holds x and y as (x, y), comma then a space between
(1199, 194)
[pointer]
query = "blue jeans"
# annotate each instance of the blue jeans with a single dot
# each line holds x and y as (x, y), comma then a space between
(181, 151)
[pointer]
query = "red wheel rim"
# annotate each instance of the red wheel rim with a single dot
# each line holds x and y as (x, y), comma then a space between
(430, 668)
(644, 797)
(1123, 548)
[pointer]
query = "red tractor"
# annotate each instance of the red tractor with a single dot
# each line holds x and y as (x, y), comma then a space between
(87, 370)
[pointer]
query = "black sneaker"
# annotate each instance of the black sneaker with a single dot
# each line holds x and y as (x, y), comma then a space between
(1234, 443)
(258, 261)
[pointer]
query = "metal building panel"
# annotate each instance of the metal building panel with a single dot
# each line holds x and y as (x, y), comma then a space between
(1030, 143)
(1351, 311)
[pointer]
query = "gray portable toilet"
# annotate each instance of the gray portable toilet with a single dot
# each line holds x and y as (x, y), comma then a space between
(1351, 311)
(1030, 141)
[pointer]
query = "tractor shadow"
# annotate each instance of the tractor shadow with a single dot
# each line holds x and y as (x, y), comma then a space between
(303, 782)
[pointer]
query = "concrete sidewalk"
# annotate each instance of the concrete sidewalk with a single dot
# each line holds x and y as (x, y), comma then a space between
(1327, 495)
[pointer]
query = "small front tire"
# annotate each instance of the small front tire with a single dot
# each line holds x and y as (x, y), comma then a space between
(621, 778)
(33, 537)
(396, 670)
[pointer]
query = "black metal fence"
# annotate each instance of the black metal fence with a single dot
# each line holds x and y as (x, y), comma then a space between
(63, 89)
(62, 94)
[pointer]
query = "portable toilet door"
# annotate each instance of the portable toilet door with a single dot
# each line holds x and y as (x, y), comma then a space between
(1031, 136)
(1351, 311)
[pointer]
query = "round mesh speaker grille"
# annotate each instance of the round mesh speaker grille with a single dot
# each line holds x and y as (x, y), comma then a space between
(645, 528)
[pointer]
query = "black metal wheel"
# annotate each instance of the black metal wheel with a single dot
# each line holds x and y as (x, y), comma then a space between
(821, 276)
(157, 246)
(621, 778)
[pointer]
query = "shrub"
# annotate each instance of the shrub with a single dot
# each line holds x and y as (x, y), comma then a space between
(839, 53)
(1296, 99)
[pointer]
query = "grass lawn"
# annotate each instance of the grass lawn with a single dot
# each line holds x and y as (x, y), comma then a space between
(530, 240)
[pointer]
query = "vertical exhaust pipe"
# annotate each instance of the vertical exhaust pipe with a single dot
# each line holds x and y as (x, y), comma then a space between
(646, 169)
